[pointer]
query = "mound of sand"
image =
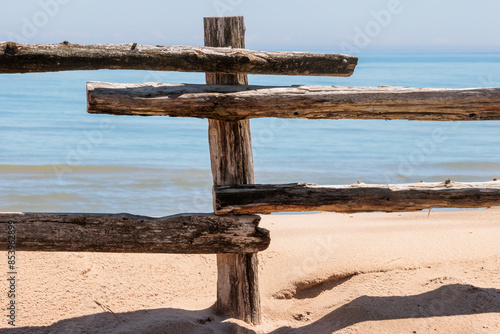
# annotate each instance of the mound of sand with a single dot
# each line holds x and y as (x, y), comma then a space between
(323, 273)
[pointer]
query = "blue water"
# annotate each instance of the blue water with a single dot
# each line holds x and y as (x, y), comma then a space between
(55, 157)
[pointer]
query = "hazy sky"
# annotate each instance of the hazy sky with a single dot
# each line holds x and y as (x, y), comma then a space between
(348, 25)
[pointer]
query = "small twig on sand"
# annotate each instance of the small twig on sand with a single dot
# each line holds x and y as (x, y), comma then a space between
(429, 213)
(106, 309)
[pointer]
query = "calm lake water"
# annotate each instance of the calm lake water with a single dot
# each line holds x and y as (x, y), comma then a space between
(54, 157)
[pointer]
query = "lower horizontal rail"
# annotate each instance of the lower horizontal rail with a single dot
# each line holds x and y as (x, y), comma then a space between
(360, 197)
(124, 233)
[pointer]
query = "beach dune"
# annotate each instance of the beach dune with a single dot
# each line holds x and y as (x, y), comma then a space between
(323, 273)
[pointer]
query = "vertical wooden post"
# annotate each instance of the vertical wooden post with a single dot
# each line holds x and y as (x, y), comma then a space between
(232, 163)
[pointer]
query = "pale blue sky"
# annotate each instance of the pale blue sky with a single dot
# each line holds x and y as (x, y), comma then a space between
(302, 25)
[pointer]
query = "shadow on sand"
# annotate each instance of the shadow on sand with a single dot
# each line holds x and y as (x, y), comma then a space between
(166, 320)
(448, 300)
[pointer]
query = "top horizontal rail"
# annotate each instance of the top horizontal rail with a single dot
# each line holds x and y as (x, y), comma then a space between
(26, 58)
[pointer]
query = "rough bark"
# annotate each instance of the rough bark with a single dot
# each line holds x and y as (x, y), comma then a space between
(25, 58)
(124, 233)
(313, 102)
(246, 199)
(232, 163)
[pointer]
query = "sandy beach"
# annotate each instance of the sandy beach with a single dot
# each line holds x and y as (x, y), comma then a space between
(323, 273)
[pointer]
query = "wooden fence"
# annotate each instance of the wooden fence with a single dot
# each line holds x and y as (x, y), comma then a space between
(228, 102)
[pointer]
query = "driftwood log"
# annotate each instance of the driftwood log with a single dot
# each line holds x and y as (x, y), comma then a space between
(231, 159)
(246, 199)
(25, 58)
(313, 102)
(124, 233)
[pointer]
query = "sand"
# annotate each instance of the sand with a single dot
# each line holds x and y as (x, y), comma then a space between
(323, 273)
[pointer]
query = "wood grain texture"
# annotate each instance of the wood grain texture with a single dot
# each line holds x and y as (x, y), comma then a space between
(26, 58)
(312, 102)
(232, 163)
(269, 198)
(124, 233)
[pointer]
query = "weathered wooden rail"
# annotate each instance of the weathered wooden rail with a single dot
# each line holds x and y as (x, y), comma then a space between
(312, 102)
(27, 58)
(359, 197)
(228, 102)
(124, 233)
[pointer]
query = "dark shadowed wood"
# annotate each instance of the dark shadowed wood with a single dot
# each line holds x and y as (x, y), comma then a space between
(232, 163)
(313, 102)
(246, 199)
(124, 233)
(24, 58)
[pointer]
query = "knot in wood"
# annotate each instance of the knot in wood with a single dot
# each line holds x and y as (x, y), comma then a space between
(11, 48)
(242, 59)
